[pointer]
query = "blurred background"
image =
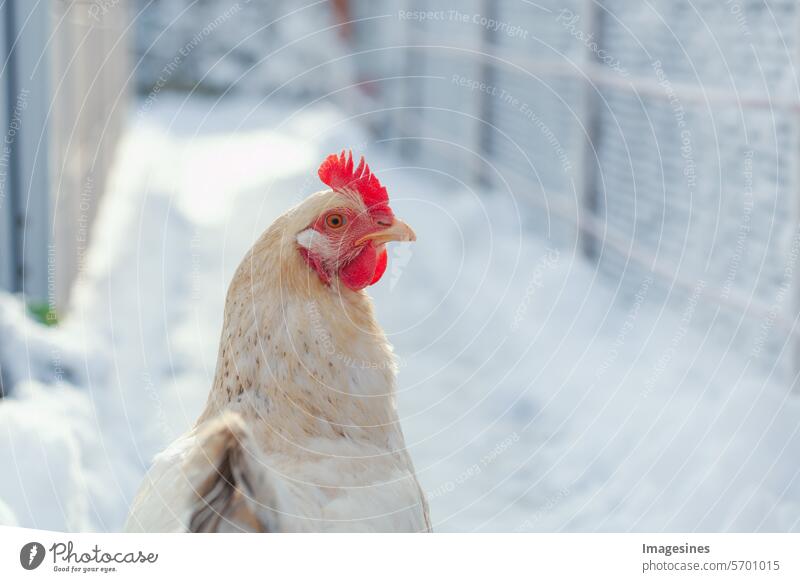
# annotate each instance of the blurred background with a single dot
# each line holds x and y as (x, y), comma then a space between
(597, 330)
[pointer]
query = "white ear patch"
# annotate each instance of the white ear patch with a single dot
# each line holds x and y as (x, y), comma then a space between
(314, 242)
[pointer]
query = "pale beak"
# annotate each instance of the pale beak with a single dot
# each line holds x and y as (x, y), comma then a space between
(398, 231)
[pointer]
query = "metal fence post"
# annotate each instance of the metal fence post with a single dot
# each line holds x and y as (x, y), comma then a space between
(590, 121)
(487, 105)
(26, 139)
(7, 239)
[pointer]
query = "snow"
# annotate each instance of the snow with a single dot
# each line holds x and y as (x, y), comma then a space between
(534, 395)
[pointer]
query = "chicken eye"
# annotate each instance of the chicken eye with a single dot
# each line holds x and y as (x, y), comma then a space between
(335, 220)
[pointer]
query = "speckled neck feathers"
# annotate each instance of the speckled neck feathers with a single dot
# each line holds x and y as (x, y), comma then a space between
(305, 359)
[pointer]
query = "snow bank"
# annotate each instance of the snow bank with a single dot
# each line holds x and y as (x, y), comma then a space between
(30, 351)
(50, 442)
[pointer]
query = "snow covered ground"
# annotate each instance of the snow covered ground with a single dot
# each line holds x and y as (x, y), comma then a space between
(534, 397)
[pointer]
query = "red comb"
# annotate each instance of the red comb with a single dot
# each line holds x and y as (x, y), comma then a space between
(338, 172)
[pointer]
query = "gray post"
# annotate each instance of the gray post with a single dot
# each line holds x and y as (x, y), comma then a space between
(7, 253)
(590, 119)
(27, 185)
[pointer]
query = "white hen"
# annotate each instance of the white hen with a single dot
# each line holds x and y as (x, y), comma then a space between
(300, 432)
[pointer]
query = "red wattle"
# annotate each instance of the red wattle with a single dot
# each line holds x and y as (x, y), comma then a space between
(365, 269)
(380, 267)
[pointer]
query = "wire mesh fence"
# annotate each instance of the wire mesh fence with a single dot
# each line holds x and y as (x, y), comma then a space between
(625, 137)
